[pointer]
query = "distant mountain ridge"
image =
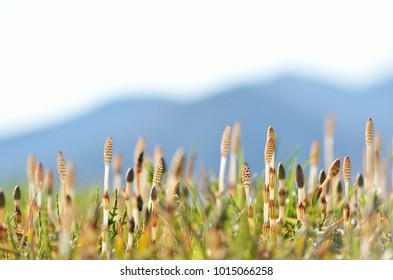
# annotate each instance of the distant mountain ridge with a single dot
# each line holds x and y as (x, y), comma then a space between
(295, 107)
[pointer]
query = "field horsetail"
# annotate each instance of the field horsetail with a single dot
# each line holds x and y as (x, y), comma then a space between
(153, 198)
(269, 152)
(283, 211)
(105, 198)
(347, 178)
(225, 146)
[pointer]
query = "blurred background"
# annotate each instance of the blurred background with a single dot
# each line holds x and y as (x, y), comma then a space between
(176, 72)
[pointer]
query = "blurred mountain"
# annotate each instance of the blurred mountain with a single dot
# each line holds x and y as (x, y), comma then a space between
(295, 107)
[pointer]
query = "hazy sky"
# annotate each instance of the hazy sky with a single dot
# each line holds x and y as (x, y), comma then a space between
(57, 57)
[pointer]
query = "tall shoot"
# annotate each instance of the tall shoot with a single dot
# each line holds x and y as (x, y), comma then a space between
(235, 150)
(61, 170)
(358, 192)
(39, 181)
(301, 201)
(281, 193)
(272, 205)
(246, 182)
(105, 198)
(175, 175)
(322, 201)
(225, 146)
(377, 164)
(347, 179)
(138, 163)
(17, 214)
(107, 162)
(153, 198)
(130, 207)
(334, 169)
(30, 175)
(328, 143)
(314, 162)
(71, 181)
(269, 152)
(272, 134)
(369, 137)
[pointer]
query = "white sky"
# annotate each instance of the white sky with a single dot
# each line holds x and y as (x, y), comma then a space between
(57, 57)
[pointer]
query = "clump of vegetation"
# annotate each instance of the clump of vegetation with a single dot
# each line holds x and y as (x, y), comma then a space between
(160, 213)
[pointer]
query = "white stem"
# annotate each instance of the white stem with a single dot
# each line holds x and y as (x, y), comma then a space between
(31, 190)
(281, 184)
(63, 191)
(300, 196)
(117, 182)
(106, 216)
(135, 214)
(232, 169)
(265, 212)
(376, 179)
(247, 192)
(130, 242)
(369, 170)
(304, 195)
(369, 178)
(271, 194)
(328, 150)
(267, 171)
(346, 191)
(39, 198)
(129, 207)
(64, 245)
(106, 212)
(221, 186)
(312, 178)
(106, 179)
